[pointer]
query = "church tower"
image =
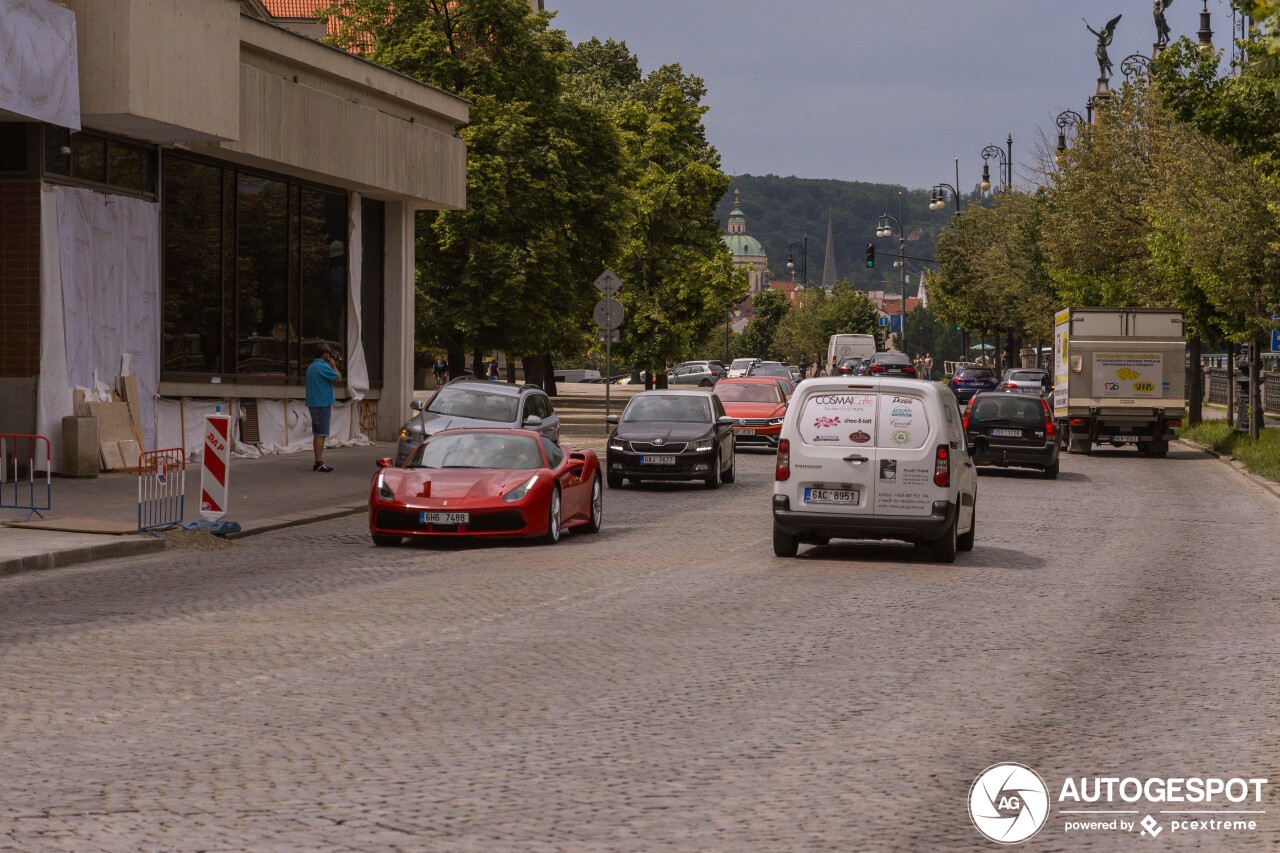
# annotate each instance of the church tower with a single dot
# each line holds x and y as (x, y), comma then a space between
(745, 249)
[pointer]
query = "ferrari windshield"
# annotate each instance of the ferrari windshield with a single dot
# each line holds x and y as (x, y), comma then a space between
(478, 450)
(670, 408)
(475, 404)
(754, 393)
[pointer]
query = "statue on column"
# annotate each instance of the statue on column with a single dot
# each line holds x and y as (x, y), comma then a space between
(1162, 25)
(1104, 41)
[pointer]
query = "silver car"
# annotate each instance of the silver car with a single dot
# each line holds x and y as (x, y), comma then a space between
(477, 403)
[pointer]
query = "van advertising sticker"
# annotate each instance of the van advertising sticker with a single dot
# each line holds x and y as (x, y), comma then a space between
(903, 422)
(838, 419)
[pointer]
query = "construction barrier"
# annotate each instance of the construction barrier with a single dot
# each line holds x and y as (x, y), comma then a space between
(19, 486)
(162, 488)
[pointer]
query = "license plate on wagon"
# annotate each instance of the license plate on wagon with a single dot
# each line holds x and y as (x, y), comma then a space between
(1007, 433)
(831, 496)
(657, 460)
(445, 518)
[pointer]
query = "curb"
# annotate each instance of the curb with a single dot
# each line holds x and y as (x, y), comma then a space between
(1268, 486)
(282, 522)
(118, 547)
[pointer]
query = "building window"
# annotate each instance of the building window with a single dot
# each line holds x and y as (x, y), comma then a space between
(97, 160)
(255, 273)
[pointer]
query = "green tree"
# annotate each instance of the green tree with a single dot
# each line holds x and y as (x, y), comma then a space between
(769, 307)
(514, 270)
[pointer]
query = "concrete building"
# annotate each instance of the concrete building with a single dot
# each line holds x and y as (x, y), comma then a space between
(196, 196)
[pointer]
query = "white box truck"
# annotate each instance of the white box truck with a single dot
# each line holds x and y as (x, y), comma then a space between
(840, 346)
(1119, 377)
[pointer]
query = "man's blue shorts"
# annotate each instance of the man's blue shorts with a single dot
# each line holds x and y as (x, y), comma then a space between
(319, 420)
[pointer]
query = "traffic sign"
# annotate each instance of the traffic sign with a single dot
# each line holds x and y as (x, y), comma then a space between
(884, 321)
(1275, 335)
(608, 313)
(612, 337)
(217, 463)
(608, 283)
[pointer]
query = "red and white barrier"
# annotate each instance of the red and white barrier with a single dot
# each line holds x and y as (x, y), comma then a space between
(217, 467)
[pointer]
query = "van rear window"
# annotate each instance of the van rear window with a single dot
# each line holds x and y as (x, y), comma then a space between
(903, 422)
(839, 419)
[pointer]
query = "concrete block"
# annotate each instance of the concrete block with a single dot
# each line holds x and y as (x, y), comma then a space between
(80, 447)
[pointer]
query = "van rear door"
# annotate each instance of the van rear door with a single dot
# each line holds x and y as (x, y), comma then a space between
(907, 442)
(834, 463)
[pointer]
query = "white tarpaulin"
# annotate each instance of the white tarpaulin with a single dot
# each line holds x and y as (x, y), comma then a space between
(109, 260)
(357, 369)
(53, 394)
(39, 73)
(284, 426)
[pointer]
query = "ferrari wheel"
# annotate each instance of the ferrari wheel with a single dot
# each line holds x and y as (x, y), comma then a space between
(552, 536)
(384, 541)
(597, 507)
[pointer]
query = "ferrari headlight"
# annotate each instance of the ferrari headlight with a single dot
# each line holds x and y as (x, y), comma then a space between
(521, 490)
(704, 446)
(384, 491)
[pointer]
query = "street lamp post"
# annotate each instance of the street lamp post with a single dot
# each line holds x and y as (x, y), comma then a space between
(1006, 164)
(939, 199)
(883, 230)
(1065, 118)
(804, 260)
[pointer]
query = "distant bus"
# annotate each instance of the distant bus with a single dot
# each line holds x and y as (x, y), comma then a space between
(840, 346)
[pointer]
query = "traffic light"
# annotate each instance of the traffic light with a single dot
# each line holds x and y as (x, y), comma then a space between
(959, 328)
(871, 255)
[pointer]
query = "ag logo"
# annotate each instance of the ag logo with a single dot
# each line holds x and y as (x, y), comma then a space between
(1008, 803)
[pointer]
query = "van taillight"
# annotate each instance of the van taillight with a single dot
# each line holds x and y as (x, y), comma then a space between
(783, 471)
(942, 466)
(1049, 429)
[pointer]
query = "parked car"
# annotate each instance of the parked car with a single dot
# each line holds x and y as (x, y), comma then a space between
(716, 366)
(1013, 429)
(671, 435)
(757, 405)
(740, 366)
(797, 375)
(486, 483)
(880, 458)
(769, 368)
(693, 374)
(787, 385)
(478, 403)
(1026, 381)
(970, 379)
(891, 364)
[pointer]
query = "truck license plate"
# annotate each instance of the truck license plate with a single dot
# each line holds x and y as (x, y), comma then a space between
(445, 518)
(746, 432)
(1007, 433)
(657, 460)
(1130, 438)
(831, 496)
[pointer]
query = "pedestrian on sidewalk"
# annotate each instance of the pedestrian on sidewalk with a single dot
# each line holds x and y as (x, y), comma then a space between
(928, 366)
(322, 375)
(441, 370)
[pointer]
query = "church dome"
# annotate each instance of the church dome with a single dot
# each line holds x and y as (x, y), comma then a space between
(743, 244)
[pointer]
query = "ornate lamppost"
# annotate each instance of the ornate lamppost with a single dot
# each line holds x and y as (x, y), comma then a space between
(1066, 118)
(803, 246)
(883, 230)
(1006, 164)
(939, 199)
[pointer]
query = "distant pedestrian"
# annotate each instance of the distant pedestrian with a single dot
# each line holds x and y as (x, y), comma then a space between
(322, 375)
(493, 370)
(441, 368)
(928, 366)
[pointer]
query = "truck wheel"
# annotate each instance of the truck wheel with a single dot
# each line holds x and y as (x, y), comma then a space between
(1144, 448)
(784, 544)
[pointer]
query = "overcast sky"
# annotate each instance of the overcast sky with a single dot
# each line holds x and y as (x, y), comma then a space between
(887, 91)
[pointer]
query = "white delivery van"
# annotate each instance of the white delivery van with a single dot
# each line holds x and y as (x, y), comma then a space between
(874, 458)
(840, 346)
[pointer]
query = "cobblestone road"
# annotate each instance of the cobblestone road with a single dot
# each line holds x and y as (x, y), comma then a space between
(668, 685)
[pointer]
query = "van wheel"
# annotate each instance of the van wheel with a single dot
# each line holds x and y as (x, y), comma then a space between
(964, 542)
(944, 548)
(1051, 473)
(784, 544)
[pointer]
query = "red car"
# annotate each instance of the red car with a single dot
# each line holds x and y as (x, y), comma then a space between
(757, 406)
(490, 483)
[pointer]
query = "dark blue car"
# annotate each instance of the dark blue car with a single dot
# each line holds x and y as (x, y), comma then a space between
(970, 379)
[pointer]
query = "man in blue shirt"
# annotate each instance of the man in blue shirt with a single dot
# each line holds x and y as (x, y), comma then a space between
(322, 375)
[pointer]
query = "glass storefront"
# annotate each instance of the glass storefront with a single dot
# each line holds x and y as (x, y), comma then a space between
(255, 274)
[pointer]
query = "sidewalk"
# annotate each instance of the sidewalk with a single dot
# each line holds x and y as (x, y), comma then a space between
(269, 493)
